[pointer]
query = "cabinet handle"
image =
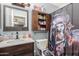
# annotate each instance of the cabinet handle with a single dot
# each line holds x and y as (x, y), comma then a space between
(5, 53)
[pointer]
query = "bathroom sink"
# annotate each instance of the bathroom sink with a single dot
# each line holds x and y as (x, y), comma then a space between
(14, 42)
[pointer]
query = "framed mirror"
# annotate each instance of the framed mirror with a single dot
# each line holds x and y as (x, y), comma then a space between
(15, 19)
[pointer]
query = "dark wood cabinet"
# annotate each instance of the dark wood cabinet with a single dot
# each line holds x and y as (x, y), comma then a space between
(48, 19)
(18, 50)
(35, 20)
(40, 21)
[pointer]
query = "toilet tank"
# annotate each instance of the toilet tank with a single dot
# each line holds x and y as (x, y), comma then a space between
(42, 43)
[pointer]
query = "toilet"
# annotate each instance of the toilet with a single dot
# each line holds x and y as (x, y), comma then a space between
(41, 45)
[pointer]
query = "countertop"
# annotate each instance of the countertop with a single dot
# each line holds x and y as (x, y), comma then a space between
(14, 42)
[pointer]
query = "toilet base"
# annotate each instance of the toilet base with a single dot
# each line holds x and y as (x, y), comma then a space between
(44, 52)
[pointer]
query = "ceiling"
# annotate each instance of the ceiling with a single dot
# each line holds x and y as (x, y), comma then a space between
(50, 7)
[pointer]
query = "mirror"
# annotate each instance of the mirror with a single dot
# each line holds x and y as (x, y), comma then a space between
(15, 19)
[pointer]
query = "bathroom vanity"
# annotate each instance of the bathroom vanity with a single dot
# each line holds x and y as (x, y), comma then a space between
(17, 48)
(15, 20)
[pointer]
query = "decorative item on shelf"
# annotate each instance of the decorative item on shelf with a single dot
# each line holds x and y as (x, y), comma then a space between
(42, 29)
(27, 5)
(37, 7)
(42, 22)
(21, 4)
(44, 17)
(40, 17)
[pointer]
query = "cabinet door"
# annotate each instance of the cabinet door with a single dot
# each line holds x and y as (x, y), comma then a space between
(34, 20)
(18, 50)
(48, 19)
(76, 15)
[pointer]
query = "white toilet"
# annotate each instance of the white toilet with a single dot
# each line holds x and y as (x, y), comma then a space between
(41, 45)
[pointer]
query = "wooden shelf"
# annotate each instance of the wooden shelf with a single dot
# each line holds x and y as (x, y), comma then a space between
(41, 19)
(40, 31)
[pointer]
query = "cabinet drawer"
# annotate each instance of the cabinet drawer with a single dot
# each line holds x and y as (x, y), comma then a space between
(18, 49)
